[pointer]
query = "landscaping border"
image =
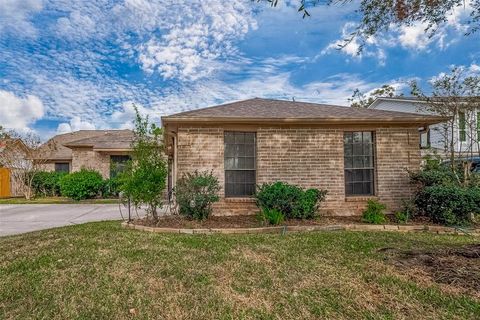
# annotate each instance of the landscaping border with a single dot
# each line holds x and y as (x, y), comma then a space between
(288, 229)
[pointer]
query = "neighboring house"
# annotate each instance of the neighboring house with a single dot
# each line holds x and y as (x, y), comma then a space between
(435, 138)
(13, 161)
(105, 151)
(355, 154)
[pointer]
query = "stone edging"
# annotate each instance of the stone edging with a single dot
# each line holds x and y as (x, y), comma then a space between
(288, 229)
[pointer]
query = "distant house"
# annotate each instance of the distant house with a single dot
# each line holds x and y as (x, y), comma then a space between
(355, 154)
(434, 138)
(105, 151)
(13, 160)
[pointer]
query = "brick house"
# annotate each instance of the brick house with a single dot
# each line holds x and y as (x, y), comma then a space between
(102, 150)
(355, 154)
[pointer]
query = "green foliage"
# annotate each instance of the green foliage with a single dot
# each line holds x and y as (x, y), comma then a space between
(144, 179)
(195, 193)
(289, 199)
(434, 176)
(271, 216)
(406, 213)
(374, 213)
(47, 184)
(448, 204)
(111, 188)
(83, 184)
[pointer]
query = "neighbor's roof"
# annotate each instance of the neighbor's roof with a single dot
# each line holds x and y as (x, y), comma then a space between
(281, 111)
(422, 100)
(55, 148)
(108, 140)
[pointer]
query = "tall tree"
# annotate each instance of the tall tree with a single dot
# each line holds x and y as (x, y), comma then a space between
(363, 100)
(456, 96)
(381, 15)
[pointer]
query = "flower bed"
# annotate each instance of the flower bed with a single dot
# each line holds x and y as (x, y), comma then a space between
(249, 224)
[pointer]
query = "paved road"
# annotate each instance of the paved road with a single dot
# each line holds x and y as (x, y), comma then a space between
(20, 218)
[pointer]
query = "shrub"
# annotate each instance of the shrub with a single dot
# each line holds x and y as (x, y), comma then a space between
(407, 213)
(84, 184)
(431, 177)
(290, 200)
(195, 193)
(271, 216)
(448, 205)
(111, 188)
(374, 213)
(47, 184)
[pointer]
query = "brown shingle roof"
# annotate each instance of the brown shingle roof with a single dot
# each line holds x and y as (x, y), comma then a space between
(264, 110)
(119, 139)
(55, 148)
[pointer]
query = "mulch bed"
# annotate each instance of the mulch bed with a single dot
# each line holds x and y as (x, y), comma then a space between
(458, 267)
(249, 221)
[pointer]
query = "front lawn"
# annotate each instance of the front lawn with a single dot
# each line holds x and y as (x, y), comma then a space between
(98, 271)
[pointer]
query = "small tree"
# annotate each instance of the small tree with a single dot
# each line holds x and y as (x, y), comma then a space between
(25, 156)
(143, 180)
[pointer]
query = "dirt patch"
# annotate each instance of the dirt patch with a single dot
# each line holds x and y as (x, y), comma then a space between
(245, 221)
(457, 267)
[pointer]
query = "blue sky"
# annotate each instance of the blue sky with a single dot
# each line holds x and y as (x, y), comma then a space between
(70, 65)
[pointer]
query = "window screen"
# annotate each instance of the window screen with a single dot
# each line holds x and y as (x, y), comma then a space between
(62, 167)
(240, 163)
(359, 163)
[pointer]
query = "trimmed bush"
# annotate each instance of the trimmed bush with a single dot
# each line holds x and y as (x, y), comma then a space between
(374, 213)
(195, 193)
(271, 216)
(291, 200)
(47, 184)
(84, 184)
(448, 204)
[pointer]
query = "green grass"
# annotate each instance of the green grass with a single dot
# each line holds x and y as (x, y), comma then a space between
(100, 271)
(55, 200)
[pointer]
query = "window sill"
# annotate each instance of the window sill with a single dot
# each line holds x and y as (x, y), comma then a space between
(360, 198)
(240, 199)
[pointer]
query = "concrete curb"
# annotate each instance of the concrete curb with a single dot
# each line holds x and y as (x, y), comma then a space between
(285, 229)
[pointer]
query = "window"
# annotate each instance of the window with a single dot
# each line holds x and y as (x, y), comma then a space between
(425, 139)
(462, 126)
(240, 164)
(359, 163)
(117, 164)
(62, 167)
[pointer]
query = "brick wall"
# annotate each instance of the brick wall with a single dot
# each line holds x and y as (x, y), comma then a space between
(309, 157)
(89, 159)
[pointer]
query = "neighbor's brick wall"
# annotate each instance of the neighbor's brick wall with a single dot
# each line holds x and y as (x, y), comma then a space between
(88, 159)
(309, 157)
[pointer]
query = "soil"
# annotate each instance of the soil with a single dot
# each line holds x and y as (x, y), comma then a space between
(250, 221)
(457, 267)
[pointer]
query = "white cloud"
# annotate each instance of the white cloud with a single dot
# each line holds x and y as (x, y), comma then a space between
(15, 16)
(191, 48)
(352, 48)
(474, 68)
(17, 112)
(75, 124)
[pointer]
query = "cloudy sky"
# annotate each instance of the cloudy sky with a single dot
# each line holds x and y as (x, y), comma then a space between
(69, 65)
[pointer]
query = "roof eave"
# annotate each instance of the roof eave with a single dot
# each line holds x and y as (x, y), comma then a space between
(226, 120)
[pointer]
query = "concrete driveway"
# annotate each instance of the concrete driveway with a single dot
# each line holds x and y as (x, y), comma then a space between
(20, 218)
